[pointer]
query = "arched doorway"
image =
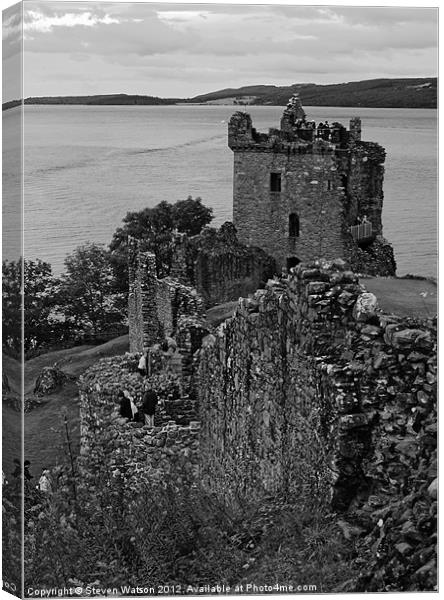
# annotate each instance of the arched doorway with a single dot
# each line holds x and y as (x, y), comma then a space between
(292, 261)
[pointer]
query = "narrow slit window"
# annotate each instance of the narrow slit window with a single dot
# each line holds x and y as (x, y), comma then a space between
(328, 184)
(275, 182)
(293, 225)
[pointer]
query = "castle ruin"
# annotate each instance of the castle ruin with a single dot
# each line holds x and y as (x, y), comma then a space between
(303, 192)
(309, 390)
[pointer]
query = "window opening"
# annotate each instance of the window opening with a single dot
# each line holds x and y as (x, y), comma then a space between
(275, 182)
(293, 225)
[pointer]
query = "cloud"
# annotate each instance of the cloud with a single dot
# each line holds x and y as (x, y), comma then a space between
(36, 21)
(101, 33)
(179, 49)
(12, 31)
(385, 16)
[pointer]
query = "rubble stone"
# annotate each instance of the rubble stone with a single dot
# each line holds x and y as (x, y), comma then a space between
(50, 380)
(366, 307)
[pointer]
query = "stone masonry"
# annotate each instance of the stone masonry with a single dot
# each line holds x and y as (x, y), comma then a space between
(219, 266)
(155, 306)
(308, 391)
(298, 190)
(141, 454)
(298, 377)
(226, 269)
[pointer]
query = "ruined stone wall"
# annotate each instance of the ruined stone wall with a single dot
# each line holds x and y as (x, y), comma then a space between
(375, 259)
(182, 259)
(164, 298)
(219, 266)
(155, 305)
(365, 184)
(148, 320)
(296, 388)
(138, 287)
(226, 276)
(307, 391)
(140, 453)
(310, 187)
(226, 269)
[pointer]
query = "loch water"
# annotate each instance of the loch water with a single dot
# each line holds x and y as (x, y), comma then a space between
(85, 167)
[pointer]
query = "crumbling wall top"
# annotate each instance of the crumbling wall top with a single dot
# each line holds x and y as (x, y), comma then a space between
(292, 114)
(295, 129)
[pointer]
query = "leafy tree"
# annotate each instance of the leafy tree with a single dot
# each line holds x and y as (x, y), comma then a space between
(40, 298)
(190, 216)
(154, 227)
(11, 305)
(87, 292)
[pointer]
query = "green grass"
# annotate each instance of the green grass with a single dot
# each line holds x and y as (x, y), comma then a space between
(44, 425)
(404, 297)
(219, 313)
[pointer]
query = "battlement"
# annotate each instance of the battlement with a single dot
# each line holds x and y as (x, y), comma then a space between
(296, 134)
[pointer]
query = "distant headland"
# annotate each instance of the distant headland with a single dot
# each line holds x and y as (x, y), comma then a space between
(372, 93)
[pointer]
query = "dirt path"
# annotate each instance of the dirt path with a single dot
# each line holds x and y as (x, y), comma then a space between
(45, 436)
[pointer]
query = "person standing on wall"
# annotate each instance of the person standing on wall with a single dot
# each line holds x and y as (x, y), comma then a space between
(169, 349)
(142, 367)
(125, 406)
(150, 400)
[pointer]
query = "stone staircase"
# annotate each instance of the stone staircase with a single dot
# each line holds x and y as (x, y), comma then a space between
(176, 364)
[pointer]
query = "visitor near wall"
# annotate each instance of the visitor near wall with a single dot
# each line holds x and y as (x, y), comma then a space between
(26, 472)
(142, 367)
(125, 406)
(150, 400)
(134, 409)
(45, 485)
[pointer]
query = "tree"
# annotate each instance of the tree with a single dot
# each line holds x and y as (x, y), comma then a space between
(40, 298)
(11, 305)
(154, 228)
(190, 216)
(87, 294)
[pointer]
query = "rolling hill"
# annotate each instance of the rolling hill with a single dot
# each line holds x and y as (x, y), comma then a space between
(372, 93)
(376, 93)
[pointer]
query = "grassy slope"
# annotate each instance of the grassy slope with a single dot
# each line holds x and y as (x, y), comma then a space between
(44, 438)
(403, 296)
(395, 93)
(217, 314)
(399, 296)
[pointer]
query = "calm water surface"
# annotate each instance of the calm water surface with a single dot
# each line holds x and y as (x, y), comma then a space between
(85, 167)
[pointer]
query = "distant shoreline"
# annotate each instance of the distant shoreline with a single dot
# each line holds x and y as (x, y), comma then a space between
(16, 103)
(373, 93)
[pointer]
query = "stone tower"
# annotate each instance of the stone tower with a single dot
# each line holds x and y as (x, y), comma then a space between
(303, 191)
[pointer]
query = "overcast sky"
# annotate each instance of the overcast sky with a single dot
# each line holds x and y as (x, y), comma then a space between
(180, 50)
